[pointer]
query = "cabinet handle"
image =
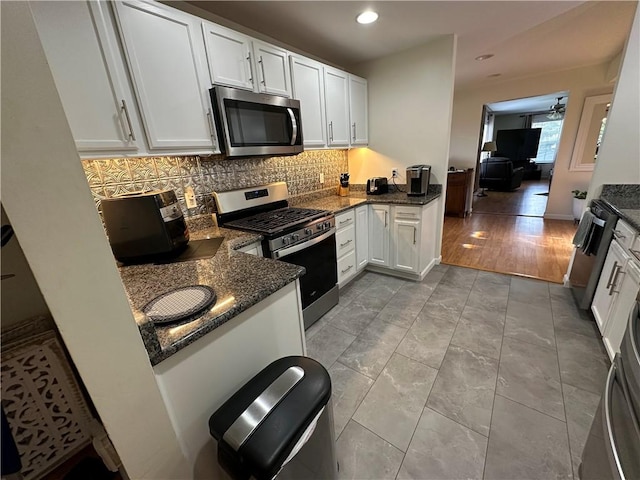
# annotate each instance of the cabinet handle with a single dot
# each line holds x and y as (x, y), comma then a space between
(385, 217)
(250, 68)
(126, 115)
(415, 230)
(264, 78)
(210, 121)
(348, 220)
(615, 272)
(347, 269)
(353, 127)
(618, 234)
(345, 243)
(331, 131)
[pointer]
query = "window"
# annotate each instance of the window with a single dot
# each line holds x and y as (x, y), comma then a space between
(549, 138)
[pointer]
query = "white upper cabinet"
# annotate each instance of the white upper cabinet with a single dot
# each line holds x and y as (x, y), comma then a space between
(336, 88)
(308, 87)
(82, 49)
(272, 69)
(236, 60)
(166, 59)
(358, 111)
(229, 56)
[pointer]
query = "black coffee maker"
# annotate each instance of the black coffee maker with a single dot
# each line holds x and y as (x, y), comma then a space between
(418, 177)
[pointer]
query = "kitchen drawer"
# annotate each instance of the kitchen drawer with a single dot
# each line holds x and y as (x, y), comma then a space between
(346, 267)
(413, 213)
(344, 219)
(345, 240)
(625, 234)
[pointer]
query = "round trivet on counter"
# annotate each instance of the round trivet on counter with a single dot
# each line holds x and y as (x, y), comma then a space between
(179, 304)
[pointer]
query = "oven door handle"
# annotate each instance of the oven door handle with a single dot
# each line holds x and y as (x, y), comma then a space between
(296, 248)
(608, 423)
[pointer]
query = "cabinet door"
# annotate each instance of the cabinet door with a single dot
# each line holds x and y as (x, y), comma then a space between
(627, 287)
(167, 62)
(336, 88)
(229, 57)
(405, 241)
(272, 67)
(605, 292)
(308, 87)
(358, 110)
(362, 236)
(379, 235)
(80, 44)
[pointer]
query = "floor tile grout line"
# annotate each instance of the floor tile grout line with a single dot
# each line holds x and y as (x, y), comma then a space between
(495, 388)
(530, 408)
(551, 349)
(385, 441)
(564, 404)
(363, 397)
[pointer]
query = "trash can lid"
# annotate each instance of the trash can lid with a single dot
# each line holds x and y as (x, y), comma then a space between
(300, 388)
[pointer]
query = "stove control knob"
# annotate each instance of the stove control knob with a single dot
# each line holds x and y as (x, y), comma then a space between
(286, 240)
(319, 226)
(308, 231)
(327, 225)
(295, 237)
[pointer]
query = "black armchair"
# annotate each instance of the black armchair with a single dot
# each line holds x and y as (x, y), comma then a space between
(498, 173)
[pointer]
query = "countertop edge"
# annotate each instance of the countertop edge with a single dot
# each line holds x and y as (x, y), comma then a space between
(625, 214)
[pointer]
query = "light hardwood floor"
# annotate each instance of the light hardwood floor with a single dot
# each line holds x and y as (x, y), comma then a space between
(528, 246)
(526, 200)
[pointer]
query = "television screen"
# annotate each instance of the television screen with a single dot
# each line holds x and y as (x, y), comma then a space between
(518, 144)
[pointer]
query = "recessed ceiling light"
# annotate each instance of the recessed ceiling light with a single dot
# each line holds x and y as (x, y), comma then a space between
(484, 57)
(494, 75)
(367, 17)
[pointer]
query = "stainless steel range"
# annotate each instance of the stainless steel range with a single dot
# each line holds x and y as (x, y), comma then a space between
(301, 236)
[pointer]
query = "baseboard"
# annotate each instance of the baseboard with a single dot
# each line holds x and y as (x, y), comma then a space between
(554, 216)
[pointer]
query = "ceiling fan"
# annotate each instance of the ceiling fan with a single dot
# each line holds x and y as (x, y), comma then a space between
(556, 112)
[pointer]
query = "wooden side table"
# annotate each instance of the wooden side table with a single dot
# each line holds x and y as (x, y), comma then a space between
(458, 192)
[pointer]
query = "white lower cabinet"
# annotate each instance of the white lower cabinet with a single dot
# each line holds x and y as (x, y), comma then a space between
(622, 307)
(606, 292)
(362, 236)
(408, 247)
(406, 239)
(252, 249)
(379, 235)
(615, 296)
(346, 246)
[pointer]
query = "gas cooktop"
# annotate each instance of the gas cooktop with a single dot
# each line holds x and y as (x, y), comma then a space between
(276, 221)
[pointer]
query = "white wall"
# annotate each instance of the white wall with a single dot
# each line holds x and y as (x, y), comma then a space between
(46, 196)
(619, 154)
(410, 101)
(579, 82)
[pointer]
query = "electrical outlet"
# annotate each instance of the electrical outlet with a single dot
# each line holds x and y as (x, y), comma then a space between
(190, 197)
(394, 173)
(322, 178)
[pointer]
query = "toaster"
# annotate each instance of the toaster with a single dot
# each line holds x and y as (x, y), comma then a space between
(144, 226)
(377, 186)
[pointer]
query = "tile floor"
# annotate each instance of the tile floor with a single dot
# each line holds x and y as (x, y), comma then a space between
(468, 374)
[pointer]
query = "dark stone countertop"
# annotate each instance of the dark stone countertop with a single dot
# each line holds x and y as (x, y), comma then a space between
(625, 201)
(239, 280)
(358, 196)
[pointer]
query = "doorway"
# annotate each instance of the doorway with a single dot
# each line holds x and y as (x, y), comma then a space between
(515, 165)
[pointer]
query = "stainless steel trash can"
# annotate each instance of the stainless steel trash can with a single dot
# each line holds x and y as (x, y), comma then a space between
(279, 424)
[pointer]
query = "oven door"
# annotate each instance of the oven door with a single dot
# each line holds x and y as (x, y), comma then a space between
(318, 257)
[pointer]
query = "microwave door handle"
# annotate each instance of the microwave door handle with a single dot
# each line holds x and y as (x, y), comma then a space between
(294, 126)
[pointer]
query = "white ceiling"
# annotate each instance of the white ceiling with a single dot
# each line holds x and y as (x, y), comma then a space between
(525, 36)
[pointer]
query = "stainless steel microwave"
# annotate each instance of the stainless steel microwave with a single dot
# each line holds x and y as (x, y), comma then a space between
(256, 124)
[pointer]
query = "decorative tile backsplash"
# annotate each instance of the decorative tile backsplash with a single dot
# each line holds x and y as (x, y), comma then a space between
(116, 176)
